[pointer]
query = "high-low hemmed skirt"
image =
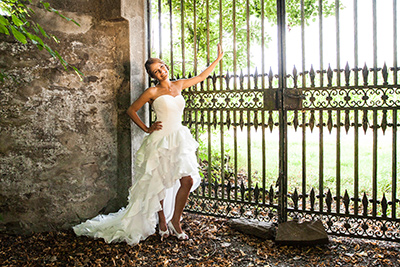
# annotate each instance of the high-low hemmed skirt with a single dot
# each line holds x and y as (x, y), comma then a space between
(161, 161)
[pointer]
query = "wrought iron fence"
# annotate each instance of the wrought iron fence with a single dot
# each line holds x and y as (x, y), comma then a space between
(278, 145)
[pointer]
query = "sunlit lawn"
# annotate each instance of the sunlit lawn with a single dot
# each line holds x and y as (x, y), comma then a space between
(334, 167)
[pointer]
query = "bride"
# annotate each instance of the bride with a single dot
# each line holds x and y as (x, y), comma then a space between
(166, 168)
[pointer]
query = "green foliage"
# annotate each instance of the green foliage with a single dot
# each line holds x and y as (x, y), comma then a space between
(236, 24)
(15, 19)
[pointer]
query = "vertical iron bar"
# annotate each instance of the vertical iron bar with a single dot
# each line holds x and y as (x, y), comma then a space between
(356, 136)
(338, 74)
(248, 41)
(337, 5)
(149, 45)
(208, 38)
(263, 142)
(234, 44)
(303, 48)
(196, 118)
(338, 163)
(209, 153)
(183, 37)
(222, 150)
(321, 42)
(375, 41)
(171, 67)
(395, 41)
(356, 181)
(235, 152)
(355, 15)
(249, 180)
(221, 116)
(374, 162)
(262, 46)
(220, 36)
(263, 147)
(159, 30)
(281, 23)
(321, 82)
(321, 160)
(149, 26)
(303, 159)
(303, 125)
(194, 38)
(208, 31)
(394, 164)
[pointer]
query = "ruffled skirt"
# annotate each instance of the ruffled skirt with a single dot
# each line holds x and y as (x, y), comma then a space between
(160, 163)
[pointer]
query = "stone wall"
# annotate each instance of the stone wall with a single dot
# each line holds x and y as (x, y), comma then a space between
(65, 151)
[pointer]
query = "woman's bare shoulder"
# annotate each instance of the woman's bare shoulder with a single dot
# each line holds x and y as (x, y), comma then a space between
(151, 91)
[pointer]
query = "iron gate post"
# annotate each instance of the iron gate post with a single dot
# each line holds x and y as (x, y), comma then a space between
(282, 201)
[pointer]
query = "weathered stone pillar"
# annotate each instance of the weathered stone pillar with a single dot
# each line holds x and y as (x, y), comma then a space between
(136, 13)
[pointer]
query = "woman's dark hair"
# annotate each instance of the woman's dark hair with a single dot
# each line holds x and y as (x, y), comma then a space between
(151, 61)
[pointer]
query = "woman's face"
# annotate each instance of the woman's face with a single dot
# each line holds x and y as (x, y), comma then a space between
(159, 71)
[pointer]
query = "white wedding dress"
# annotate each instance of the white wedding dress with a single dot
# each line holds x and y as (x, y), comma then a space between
(163, 158)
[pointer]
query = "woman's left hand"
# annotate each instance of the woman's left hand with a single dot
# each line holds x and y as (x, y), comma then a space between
(220, 52)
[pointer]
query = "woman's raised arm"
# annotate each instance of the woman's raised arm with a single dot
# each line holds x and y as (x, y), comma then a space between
(202, 76)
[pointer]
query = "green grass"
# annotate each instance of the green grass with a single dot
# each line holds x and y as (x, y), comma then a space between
(312, 153)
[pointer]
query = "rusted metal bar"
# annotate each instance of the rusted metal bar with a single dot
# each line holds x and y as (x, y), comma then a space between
(183, 37)
(355, 19)
(159, 30)
(234, 44)
(303, 46)
(235, 153)
(375, 163)
(356, 162)
(194, 38)
(395, 42)
(263, 155)
(262, 45)
(394, 165)
(196, 119)
(338, 121)
(338, 161)
(337, 6)
(321, 161)
(208, 33)
(281, 16)
(220, 37)
(222, 134)
(248, 41)
(209, 153)
(375, 42)
(249, 176)
(321, 43)
(303, 124)
(171, 46)
(303, 160)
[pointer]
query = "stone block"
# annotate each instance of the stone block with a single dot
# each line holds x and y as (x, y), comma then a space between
(305, 233)
(263, 230)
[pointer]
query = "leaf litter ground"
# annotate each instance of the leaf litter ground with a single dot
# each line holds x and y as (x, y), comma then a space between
(212, 243)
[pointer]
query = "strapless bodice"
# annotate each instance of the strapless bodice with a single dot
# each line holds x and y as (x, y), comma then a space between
(169, 111)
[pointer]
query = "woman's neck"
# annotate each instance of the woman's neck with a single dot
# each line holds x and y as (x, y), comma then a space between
(165, 83)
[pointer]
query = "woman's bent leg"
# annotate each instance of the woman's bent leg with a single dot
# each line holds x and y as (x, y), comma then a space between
(180, 201)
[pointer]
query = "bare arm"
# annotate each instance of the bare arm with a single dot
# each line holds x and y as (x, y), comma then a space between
(138, 104)
(202, 76)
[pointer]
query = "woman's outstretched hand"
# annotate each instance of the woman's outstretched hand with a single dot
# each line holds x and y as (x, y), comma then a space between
(220, 52)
